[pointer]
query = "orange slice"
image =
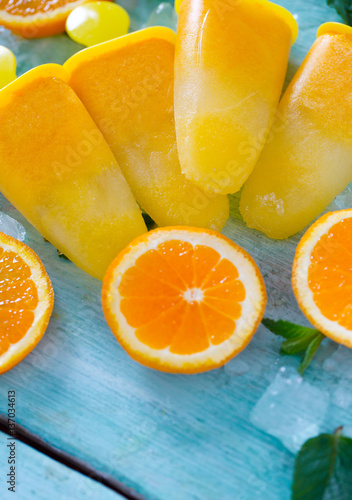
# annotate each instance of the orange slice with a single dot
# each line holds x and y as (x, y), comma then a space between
(26, 301)
(36, 18)
(322, 275)
(183, 300)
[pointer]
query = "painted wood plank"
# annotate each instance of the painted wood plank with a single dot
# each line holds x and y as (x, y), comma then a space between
(39, 477)
(168, 437)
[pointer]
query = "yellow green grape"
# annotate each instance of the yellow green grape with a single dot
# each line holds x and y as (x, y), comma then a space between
(97, 22)
(7, 66)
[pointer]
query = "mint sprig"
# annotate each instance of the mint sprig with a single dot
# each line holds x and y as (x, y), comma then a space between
(148, 221)
(343, 8)
(323, 466)
(298, 339)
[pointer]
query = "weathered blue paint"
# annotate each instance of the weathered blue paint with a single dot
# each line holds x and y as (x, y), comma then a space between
(168, 437)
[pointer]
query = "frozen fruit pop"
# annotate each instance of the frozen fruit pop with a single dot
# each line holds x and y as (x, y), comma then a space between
(127, 86)
(308, 160)
(58, 171)
(230, 66)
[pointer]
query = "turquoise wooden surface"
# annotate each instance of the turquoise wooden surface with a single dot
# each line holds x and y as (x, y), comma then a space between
(168, 437)
(42, 478)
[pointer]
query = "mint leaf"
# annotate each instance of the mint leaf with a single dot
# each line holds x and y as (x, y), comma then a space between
(286, 329)
(296, 345)
(310, 352)
(148, 221)
(298, 339)
(323, 466)
(344, 8)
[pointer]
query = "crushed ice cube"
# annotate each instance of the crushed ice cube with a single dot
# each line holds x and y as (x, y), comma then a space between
(340, 363)
(163, 15)
(344, 200)
(11, 227)
(236, 367)
(291, 409)
(342, 396)
(347, 431)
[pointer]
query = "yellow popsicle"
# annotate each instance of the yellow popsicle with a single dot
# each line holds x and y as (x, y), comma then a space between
(307, 161)
(58, 171)
(230, 65)
(127, 86)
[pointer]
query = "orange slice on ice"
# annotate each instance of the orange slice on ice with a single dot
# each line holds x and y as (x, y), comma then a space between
(183, 300)
(26, 301)
(322, 275)
(36, 18)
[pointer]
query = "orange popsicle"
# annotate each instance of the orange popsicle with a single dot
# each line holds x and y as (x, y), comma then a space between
(230, 65)
(58, 171)
(127, 86)
(308, 161)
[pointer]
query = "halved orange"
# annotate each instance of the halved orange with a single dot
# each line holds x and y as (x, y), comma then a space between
(183, 300)
(26, 301)
(322, 275)
(36, 18)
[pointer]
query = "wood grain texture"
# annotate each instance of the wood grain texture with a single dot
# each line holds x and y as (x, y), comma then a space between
(168, 437)
(42, 478)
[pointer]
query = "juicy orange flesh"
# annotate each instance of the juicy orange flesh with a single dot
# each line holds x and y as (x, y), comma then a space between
(182, 297)
(36, 18)
(30, 7)
(18, 299)
(330, 274)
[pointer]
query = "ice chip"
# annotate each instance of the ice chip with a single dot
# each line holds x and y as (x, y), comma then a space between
(236, 367)
(344, 200)
(347, 431)
(163, 15)
(291, 409)
(340, 363)
(11, 227)
(342, 396)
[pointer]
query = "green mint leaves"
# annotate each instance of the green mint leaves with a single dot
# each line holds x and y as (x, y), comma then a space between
(148, 221)
(324, 467)
(344, 8)
(298, 339)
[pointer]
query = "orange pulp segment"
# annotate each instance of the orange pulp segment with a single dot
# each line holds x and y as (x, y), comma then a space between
(330, 273)
(322, 275)
(26, 301)
(37, 18)
(188, 299)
